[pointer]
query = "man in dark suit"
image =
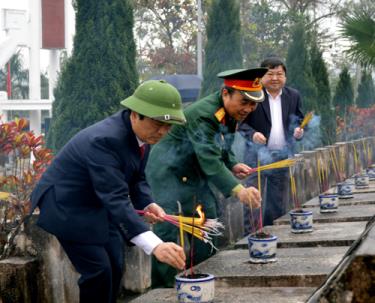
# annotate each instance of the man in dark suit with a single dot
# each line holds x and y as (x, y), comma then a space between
(270, 132)
(88, 196)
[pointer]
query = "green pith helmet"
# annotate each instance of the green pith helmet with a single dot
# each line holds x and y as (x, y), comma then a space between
(158, 100)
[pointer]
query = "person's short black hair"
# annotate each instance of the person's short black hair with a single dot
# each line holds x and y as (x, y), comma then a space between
(272, 62)
(230, 90)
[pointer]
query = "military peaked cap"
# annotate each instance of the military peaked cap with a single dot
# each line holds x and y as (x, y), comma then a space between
(247, 81)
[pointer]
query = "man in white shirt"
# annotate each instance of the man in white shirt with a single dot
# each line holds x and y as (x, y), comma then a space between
(270, 132)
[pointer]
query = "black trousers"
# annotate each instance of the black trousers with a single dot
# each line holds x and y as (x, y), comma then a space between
(100, 266)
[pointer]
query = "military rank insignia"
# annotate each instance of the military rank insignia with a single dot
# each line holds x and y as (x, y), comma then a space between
(220, 114)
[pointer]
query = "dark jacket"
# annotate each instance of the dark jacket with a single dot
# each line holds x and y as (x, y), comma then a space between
(260, 120)
(90, 182)
(190, 157)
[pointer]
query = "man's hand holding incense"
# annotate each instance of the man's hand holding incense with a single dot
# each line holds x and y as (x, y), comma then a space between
(259, 138)
(171, 254)
(154, 213)
(241, 170)
(249, 196)
(298, 133)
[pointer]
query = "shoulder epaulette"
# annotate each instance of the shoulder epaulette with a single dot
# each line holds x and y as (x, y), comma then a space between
(220, 114)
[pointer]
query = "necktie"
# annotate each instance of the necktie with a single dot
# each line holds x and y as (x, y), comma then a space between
(142, 149)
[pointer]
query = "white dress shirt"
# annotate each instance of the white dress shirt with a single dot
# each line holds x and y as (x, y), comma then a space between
(277, 135)
(147, 241)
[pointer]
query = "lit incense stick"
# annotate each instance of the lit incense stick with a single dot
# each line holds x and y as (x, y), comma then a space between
(356, 164)
(334, 164)
(260, 193)
(293, 189)
(274, 165)
(306, 119)
(180, 224)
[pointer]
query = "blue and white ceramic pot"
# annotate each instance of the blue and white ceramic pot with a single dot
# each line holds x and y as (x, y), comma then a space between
(361, 181)
(197, 289)
(301, 221)
(262, 250)
(328, 203)
(345, 190)
(371, 173)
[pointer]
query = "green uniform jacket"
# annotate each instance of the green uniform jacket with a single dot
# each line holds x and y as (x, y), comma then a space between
(181, 167)
(182, 164)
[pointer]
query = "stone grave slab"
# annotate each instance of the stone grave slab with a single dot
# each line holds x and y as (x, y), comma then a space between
(324, 234)
(358, 199)
(295, 267)
(344, 214)
(236, 295)
(367, 247)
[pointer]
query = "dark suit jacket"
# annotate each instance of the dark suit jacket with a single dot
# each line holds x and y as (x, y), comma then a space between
(90, 183)
(260, 119)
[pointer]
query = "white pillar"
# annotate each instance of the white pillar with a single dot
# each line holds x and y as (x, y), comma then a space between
(53, 69)
(69, 26)
(34, 73)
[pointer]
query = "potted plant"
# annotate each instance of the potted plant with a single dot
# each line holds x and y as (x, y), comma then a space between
(25, 161)
(262, 247)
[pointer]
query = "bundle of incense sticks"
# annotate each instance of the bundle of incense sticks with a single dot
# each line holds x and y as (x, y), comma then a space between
(307, 119)
(367, 153)
(260, 193)
(323, 175)
(274, 165)
(201, 228)
(335, 165)
(357, 166)
(293, 189)
(253, 221)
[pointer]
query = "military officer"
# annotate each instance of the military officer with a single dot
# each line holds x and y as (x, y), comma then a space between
(88, 195)
(191, 158)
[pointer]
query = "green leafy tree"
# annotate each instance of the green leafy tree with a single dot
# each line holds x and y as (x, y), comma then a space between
(324, 108)
(299, 67)
(101, 71)
(223, 48)
(265, 31)
(172, 47)
(358, 26)
(344, 95)
(366, 90)
(20, 79)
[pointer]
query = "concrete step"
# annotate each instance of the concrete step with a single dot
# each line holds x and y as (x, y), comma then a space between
(295, 267)
(344, 214)
(324, 234)
(358, 199)
(236, 294)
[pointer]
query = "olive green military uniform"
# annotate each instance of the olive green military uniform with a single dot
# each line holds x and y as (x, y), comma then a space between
(181, 167)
